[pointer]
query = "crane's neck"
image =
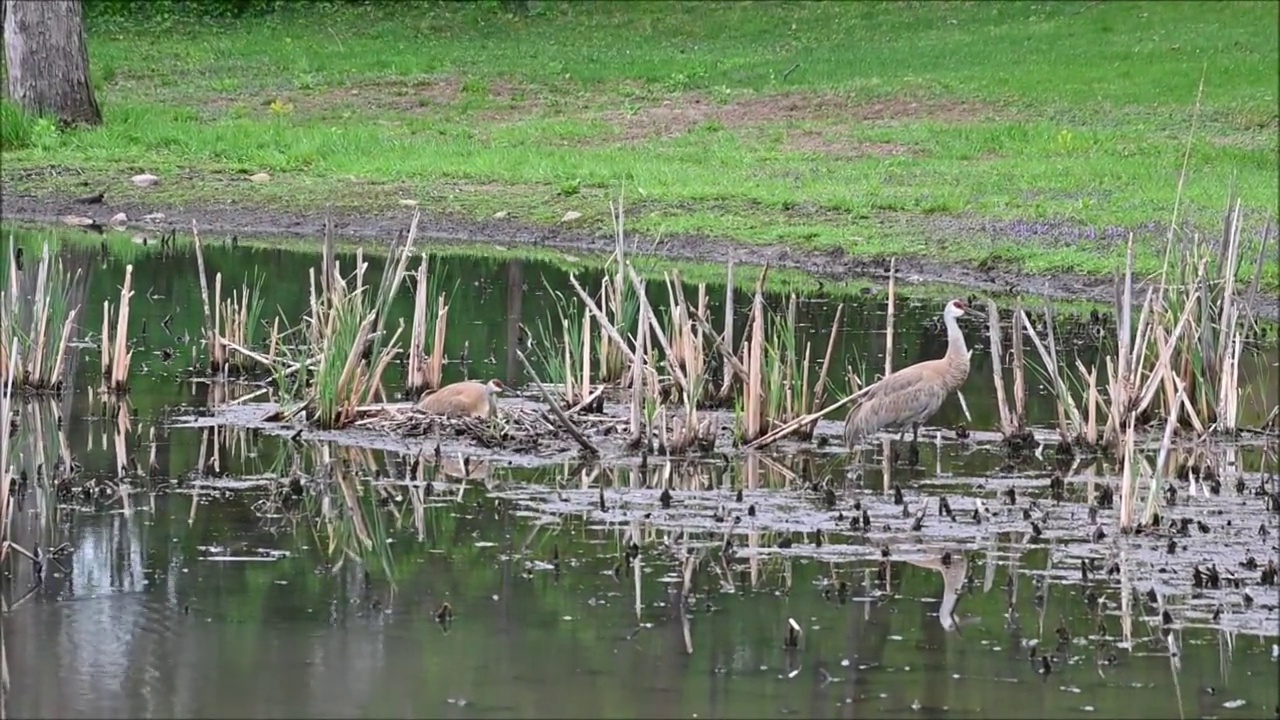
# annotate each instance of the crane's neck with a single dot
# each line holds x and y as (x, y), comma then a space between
(956, 349)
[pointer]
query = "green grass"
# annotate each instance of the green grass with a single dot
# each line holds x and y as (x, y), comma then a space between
(902, 128)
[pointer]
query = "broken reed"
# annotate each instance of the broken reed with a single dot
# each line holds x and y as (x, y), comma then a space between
(425, 369)
(6, 436)
(768, 380)
(233, 325)
(37, 318)
(580, 353)
(1013, 411)
(236, 321)
(618, 301)
(116, 353)
(1177, 359)
(764, 377)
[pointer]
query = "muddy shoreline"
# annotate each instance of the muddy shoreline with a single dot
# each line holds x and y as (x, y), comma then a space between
(260, 222)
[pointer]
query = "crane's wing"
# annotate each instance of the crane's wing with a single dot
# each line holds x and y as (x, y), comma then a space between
(903, 381)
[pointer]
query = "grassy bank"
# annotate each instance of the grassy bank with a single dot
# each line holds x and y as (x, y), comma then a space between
(1007, 134)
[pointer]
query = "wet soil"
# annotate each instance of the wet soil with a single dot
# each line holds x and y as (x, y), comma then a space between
(257, 222)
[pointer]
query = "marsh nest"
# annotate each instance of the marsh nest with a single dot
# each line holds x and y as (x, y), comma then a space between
(518, 429)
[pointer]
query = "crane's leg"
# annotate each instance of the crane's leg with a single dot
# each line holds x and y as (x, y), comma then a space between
(895, 447)
(913, 450)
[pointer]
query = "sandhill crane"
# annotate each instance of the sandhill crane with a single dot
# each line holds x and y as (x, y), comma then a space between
(913, 394)
(464, 399)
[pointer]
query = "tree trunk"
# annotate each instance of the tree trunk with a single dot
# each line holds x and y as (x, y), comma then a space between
(47, 60)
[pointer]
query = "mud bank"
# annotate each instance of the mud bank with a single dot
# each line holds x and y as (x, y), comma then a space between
(259, 222)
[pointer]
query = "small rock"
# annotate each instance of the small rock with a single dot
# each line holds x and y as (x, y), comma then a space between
(144, 180)
(409, 203)
(77, 220)
(260, 177)
(119, 220)
(153, 217)
(500, 214)
(570, 216)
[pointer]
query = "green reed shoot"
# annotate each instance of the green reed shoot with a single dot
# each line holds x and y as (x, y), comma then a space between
(567, 363)
(786, 370)
(344, 337)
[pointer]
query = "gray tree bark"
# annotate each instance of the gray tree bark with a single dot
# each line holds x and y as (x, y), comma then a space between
(47, 60)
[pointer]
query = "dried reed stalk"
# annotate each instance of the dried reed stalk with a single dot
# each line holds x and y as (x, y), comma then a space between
(726, 340)
(418, 379)
(41, 322)
(754, 400)
(117, 355)
(1070, 427)
(888, 318)
(6, 473)
(1007, 425)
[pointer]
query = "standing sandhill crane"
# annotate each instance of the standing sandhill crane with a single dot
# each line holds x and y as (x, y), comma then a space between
(464, 399)
(912, 395)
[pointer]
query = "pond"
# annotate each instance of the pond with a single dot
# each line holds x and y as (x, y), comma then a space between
(237, 572)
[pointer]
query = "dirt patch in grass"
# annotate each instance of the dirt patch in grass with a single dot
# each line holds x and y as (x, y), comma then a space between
(646, 116)
(676, 116)
(811, 141)
(409, 96)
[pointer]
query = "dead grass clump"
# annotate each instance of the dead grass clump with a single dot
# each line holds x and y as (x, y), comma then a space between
(331, 366)
(37, 316)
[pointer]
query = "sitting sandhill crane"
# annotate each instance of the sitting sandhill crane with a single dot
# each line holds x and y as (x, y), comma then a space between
(912, 395)
(464, 399)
